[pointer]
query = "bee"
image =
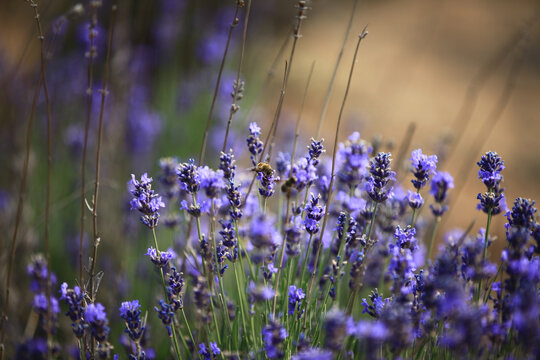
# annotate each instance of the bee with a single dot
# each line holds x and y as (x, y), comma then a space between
(287, 185)
(264, 168)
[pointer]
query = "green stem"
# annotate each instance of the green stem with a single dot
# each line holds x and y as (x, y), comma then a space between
(303, 273)
(207, 273)
(241, 300)
(352, 295)
(437, 221)
(478, 296)
(173, 326)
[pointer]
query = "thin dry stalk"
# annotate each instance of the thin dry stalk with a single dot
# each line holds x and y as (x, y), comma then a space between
(234, 107)
(362, 35)
(269, 75)
(302, 9)
(338, 61)
(89, 100)
(98, 156)
(42, 59)
(239, 4)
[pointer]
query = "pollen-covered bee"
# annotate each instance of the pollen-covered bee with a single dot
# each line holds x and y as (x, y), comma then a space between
(264, 168)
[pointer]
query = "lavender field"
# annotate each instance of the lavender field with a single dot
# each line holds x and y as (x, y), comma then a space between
(269, 180)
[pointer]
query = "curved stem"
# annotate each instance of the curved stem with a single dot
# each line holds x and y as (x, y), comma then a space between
(173, 327)
(218, 82)
(362, 35)
(236, 90)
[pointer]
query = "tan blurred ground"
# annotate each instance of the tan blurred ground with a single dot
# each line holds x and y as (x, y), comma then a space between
(415, 66)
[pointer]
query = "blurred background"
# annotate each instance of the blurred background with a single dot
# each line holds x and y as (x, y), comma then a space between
(456, 78)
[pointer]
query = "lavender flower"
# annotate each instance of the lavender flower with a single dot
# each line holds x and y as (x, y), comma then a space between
(74, 299)
(175, 285)
(522, 214)
(160, 258)
(209, 354)
(295, 300)
(415, 200)
(211, 181)
(422, 167)
(267, 180)
(492, 201)
(491, 166)
(255, 145)
(441, 182)
(233, 195)
(97, 320)
(315, 150)
(304, 173)
(473, 268)
(130, 312)
(314, 214)
(273, 334)
(188, 175)
(377, 304)
(402, 262)
(353, 157)
(376, 186)
(145, 200)
(227, 164)
(40, 305)
(166, 314)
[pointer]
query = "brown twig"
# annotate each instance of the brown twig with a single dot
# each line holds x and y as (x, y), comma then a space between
(239, 4)
(234, 107)
(42, 59)
(362, 35)
(269, 75)
(89, 100)
(98, 157)
(302, 8)
(338, 61)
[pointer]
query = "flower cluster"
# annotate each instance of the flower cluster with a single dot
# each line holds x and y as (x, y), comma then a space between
(492, 201)
(440, 184)
(74, 299)
(145, 200)
(381, 175)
